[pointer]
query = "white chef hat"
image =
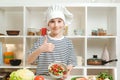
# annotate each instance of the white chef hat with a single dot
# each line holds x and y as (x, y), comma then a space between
(58, 11)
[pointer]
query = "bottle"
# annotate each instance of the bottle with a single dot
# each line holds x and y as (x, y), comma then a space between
(8, 55)
(65, 31)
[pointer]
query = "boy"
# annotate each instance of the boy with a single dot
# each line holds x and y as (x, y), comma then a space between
(54, 46)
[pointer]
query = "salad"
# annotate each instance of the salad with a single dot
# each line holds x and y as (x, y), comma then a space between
(57, 70)
(104, 76)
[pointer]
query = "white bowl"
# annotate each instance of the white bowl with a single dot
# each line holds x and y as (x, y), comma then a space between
(51, 71)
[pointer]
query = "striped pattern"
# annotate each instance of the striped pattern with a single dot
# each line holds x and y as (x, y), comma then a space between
(63, 52)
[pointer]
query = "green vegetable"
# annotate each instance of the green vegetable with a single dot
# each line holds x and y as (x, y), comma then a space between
(22, 74)
(74, 78)
(104, 75)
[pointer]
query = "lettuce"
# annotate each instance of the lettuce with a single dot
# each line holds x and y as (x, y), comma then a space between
(22, 74)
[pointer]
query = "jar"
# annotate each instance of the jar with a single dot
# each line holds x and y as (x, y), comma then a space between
(43, 31)
(65, 31)
(31, 31)
(78, 32)
(8, 56)
(104, 33)
(38, 32)
(94, 32)
(100, 32)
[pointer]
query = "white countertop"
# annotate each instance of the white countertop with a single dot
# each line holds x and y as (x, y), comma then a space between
(50, 78)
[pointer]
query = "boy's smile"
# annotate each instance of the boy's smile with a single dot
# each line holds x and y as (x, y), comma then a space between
(56, 27)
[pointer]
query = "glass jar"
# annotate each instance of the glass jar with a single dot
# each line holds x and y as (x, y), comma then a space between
(8, 56)
(94, 32)
(43, 31)
(65, 31)
(31, 31)
(38, 32)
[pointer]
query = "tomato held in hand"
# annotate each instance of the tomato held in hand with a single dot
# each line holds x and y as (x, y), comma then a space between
(39, 78)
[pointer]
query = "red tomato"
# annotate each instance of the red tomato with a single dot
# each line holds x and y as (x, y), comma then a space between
(39, 78)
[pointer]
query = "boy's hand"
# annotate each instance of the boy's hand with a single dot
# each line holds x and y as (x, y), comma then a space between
(47, 47)
(70, 67)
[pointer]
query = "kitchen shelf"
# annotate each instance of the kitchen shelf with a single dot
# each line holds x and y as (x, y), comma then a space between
(97, 49)
(101, 67)
(102, 17)
(101, 37)
(98, 71)
(10, 66)
(11, 19)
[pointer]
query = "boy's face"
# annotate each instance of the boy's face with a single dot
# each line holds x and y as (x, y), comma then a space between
(56, 26)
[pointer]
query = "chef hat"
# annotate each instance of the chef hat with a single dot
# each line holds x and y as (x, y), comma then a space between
(58, 11)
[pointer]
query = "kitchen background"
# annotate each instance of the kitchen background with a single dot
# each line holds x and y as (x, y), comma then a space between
(37, 2)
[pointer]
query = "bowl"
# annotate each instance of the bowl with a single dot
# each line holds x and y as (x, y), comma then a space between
(1, 34)
(57, 69)
(15, 62)
(13, 32)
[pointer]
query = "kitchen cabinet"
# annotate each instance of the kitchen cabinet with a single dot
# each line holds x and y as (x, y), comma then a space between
(87, 18)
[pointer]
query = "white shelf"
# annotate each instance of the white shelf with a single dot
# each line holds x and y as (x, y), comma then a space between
(101, 67)
(9, 66)
(101, 37)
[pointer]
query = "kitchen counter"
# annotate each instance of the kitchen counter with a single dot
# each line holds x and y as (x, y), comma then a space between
(91, 77)
(50, 78)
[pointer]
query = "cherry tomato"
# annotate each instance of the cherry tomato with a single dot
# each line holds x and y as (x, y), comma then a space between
(39, 78)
